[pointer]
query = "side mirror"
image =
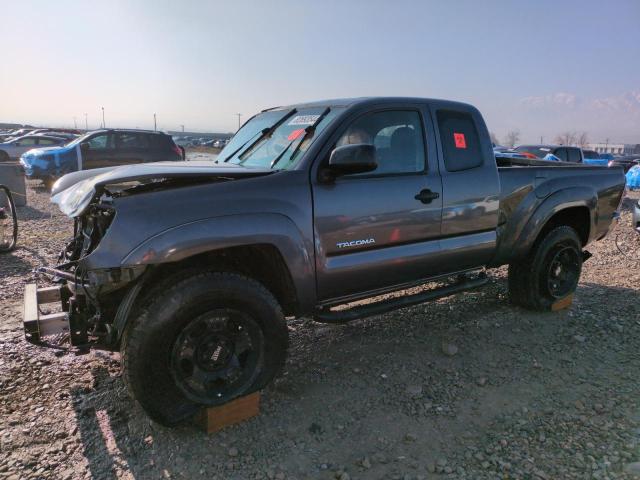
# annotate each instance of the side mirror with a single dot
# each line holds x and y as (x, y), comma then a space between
(356, 158)
(84, 146)
(17, 144)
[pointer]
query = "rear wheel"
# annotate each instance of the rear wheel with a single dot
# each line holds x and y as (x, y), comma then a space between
(203, 341)
(4, 156)
(550, 273)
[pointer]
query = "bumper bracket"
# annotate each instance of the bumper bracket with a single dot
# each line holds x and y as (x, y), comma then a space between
(38, 325)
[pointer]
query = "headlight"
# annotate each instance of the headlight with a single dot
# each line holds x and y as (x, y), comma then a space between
(75, 199)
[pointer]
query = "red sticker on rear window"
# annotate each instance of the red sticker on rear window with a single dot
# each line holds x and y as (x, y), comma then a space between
(459, 139)
(295, 134)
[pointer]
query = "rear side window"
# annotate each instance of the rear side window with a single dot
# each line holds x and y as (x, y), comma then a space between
(460, 141)
(158, 141)
(574, 155)
(132, 140)
(561, 153)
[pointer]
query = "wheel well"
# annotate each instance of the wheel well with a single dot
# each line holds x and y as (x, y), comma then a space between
(577, 218)
(262, 262)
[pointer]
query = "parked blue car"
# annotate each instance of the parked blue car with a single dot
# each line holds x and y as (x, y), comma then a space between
(48, 164)
(100, 148)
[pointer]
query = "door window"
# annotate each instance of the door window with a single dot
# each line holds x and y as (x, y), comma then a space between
(46, 141)
(460, 142)
(24, 142)
(561, 153)
(574, 155)
(132, 140)
(100, 142)
(397, 136)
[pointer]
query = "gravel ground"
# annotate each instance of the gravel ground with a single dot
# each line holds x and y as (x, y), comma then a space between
(466, 387)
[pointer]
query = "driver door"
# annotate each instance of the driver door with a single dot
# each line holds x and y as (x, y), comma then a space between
(380, 229)
(98, 151)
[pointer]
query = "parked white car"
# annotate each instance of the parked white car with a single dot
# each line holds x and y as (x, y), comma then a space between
(12, 149)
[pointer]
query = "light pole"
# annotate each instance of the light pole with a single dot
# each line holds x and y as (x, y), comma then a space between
(86, 123)
(239, 115)
(75, 124)
(182, 128)
(104, 125)
(154, 122)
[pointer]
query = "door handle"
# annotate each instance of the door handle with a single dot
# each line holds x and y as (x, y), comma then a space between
(427, 196)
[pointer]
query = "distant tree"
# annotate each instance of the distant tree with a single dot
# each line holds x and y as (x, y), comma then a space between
(494, 139)
(512, 138)
(566, 138)
(582, 140)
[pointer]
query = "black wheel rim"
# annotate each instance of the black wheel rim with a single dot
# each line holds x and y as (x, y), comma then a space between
(217, 356)
(563, 272)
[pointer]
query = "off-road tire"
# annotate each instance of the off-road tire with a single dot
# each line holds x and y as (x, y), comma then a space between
(148, 339)
(527, 276)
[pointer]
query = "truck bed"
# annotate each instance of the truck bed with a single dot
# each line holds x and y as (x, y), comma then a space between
(527, 184)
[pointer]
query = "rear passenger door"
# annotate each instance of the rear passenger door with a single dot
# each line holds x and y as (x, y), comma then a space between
(131, 148)
(470, 186)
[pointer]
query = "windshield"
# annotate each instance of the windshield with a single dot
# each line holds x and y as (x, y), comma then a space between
(277, 139)
(76, 141)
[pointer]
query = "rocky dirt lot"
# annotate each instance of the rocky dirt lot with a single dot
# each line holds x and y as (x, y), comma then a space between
(466, 387)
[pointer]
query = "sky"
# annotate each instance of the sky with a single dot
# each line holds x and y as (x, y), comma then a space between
(542, 67)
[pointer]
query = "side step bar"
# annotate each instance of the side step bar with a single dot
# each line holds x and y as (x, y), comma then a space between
(37, 325)
(363, 311)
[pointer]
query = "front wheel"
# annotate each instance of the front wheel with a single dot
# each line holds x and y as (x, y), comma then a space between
(550, 273)
(204, 340)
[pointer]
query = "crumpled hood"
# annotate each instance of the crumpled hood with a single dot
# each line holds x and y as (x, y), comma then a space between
(74, 191)
(156, 170)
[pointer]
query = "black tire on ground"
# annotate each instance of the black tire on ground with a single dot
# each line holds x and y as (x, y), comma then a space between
(4, 156)
(549, 273)
(190, 315)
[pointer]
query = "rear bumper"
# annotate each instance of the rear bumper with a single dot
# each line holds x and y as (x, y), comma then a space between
(37, 326)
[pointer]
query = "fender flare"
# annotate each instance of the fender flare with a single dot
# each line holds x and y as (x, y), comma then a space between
(556, 202)
(217, 233)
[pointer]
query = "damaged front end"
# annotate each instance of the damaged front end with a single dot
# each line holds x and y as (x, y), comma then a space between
(94, 287)
(78, 310)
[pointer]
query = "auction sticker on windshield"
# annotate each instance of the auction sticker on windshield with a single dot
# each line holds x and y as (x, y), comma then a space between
(304, 120)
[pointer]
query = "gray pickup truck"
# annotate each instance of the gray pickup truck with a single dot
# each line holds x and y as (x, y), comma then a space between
(192, 269)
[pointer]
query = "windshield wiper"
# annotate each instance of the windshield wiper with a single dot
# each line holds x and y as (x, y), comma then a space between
(265, 133)
(311, 128)
(261, 132)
